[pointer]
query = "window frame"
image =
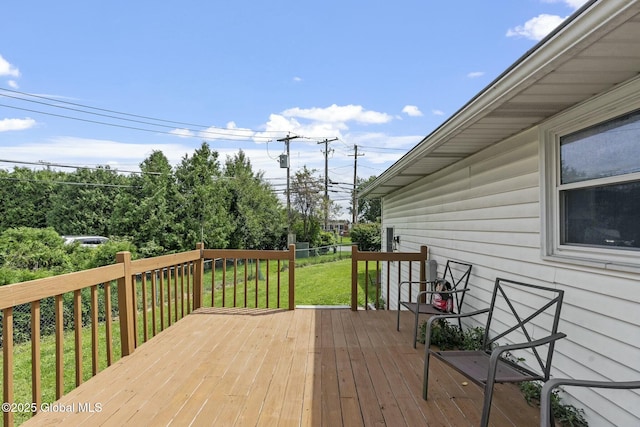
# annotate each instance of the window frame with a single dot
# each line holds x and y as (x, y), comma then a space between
(622, 100)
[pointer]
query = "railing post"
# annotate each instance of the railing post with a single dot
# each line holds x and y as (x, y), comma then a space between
(125, 304)
(354, 278)
(292, 276)
(7, 363)
(198, 275)
(423, 272)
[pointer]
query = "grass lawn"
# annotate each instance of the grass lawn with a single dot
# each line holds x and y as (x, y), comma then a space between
(325, 283)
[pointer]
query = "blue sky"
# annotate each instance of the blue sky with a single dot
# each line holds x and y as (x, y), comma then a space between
(241, 74)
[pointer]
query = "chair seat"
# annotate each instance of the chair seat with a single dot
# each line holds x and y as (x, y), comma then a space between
(475, 366)
(424, 308)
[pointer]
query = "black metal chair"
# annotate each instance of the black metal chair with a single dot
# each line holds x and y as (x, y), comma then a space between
(546, 414)
(514, 305)
(456, 273)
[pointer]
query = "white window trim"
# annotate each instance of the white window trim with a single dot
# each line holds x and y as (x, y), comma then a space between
(621, 100)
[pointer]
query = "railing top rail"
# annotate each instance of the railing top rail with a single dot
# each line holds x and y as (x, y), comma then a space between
(163, 261)
(35, 290)
(387, 256)
(246, 254)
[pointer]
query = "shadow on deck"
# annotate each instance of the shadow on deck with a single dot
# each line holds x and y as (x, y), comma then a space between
(310, 367)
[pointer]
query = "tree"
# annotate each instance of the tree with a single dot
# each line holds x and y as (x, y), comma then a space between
(369, 210)
(85, 203)
(202, 209)
(24, 197)
(257, 215)
(148, 212)
(307, 190)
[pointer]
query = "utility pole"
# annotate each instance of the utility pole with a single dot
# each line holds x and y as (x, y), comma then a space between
(286, 141)
(354, 210)
(326, 180)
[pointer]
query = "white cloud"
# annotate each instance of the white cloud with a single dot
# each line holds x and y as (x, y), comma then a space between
(230, 132)
(536, 28)
(412, 111)
(6, 69)
(313, 129)
(475, 74)
(336, 113)
(16, 124)
(13, 84)
(182, 133)
(329, 122)
(297, 79)
(574, 4)
(437, 112)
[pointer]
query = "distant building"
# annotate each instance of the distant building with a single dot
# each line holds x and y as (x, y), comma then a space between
(338, 227)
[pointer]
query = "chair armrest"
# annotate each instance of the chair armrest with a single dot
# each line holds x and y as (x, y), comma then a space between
(535, 343)
(452, 291)
(547, 389)
(407, 282)
(496, 352)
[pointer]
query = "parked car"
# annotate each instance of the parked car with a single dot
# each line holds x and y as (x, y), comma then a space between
(86, 241)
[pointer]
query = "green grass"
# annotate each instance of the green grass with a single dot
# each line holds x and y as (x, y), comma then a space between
(325, 283)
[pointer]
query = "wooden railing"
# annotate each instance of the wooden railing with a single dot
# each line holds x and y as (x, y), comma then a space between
(243, 272)
(404, 259)
(150, 295)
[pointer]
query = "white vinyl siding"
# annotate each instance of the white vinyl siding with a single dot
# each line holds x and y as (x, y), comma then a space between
(486, 210)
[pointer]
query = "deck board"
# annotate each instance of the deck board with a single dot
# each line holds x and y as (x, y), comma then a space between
(309, 367)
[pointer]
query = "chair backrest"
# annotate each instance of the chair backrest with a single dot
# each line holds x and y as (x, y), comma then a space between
(457, 274)
(522, 313)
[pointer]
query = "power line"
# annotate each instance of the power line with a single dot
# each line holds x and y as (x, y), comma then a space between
(60, 165)
(372, 148)
(87, 184)
(122, 118)
(116, 112)
(122, 126)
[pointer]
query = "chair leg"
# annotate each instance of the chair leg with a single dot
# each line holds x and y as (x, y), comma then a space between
(415, 327)
(488, 395)
(425, 378)
(427, 354)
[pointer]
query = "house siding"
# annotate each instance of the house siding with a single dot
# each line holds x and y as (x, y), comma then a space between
(486, 210)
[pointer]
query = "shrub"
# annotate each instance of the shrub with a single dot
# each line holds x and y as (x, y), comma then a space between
(25, 248)
(367, 236)
(449, 337)
(105, 254)
(566, 415)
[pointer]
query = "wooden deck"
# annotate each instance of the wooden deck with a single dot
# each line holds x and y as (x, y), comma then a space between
(309, 367)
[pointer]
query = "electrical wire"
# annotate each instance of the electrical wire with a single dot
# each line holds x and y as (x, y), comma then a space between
(117, 112)
(60, 165)
(230, 137)
(87, 184)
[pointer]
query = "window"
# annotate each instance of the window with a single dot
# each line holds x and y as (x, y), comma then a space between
(389, 239)
(591, 182)
(599, 190)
